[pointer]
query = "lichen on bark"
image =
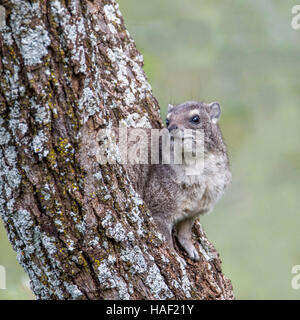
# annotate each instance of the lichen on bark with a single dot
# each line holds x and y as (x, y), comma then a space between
(69, 69)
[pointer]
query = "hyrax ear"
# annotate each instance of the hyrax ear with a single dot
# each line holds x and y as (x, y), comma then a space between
(214, 111)
(170, 107)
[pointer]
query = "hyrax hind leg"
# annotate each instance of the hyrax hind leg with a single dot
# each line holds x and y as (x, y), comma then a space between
(184, 236)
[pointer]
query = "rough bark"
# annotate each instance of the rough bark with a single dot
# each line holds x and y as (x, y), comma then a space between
(69, 68)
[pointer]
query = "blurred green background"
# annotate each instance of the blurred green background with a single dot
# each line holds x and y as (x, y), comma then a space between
(244, 54)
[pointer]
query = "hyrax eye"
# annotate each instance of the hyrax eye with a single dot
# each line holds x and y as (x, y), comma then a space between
(195, 119)
(167, 122)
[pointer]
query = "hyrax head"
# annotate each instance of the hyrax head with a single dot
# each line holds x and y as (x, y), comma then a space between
(192, 115)
(196, 116)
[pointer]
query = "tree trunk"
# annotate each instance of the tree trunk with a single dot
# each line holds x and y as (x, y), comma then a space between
(68, 69)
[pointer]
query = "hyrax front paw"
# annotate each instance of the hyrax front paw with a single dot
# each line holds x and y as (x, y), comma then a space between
(188, 246)
(192, 252)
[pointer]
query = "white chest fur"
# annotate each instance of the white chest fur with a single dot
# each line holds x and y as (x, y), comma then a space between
(200, 192)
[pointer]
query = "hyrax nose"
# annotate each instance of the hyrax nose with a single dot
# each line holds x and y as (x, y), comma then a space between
(172, 127)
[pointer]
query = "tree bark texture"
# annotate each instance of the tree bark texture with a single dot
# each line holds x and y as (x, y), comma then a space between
(69, 68)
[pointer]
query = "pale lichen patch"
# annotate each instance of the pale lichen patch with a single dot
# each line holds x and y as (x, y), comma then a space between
(134, 120)
(135, 258)
(33, 45)
(110, 13)
(33, 42)
(39, 144)
(42, 114)
(74, 33)
(185, 282)
(73, 290)
(109, 279)
(94, 242)
(108, 150)
(114, 230)
(134, 86)
(117, 232)
(157, 285)
(10, 177)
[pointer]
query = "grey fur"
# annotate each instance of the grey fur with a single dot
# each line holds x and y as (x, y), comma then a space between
(174, 198)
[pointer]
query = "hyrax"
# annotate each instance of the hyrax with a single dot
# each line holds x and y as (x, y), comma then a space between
(178, 192)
